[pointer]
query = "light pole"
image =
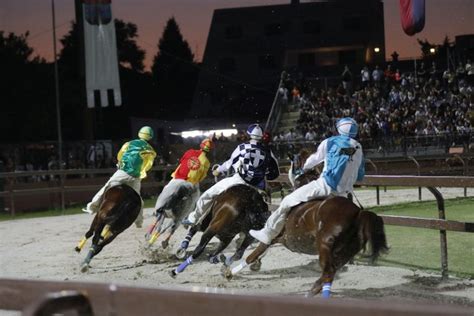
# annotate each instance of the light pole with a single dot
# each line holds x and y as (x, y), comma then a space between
(58, 110)
(56, 83)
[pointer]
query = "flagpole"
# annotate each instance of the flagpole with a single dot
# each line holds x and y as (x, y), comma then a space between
(56, 83)
(58, 110)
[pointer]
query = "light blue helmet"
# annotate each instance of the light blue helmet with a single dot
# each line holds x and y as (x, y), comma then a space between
(255, 131)
(347, 127)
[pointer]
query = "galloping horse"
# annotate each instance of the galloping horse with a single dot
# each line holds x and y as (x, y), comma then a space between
(118, 210)
(236, 210)
(179, 205)
(333, 227)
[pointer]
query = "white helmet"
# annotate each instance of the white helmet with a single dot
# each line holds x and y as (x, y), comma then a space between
(347, 127)
(255, 131)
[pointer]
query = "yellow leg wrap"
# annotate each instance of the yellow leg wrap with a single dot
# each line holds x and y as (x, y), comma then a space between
(81, 244)
(154, 237)
(105, 232)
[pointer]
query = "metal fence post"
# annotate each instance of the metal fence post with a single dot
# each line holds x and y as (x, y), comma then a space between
(377, 188)
(442, 233)
(419, 173)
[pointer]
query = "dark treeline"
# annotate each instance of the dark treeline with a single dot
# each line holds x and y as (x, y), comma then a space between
(28, 93)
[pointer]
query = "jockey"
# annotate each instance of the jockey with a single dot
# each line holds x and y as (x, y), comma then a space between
(251, 160)
(192, 169)
(135, 158)
(343, 166)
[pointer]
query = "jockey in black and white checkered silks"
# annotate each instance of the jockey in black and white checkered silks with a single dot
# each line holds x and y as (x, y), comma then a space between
(252, 162)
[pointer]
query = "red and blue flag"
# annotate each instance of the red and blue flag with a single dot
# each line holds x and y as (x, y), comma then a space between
(412, 15)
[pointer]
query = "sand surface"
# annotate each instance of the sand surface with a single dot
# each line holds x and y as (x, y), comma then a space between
(43, 248)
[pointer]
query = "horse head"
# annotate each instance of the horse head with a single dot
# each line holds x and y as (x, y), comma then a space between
(296, 175)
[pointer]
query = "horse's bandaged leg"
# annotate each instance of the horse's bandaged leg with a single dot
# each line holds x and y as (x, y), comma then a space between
(239, 267)
(183, 265)
(106, 233)
(154, 237)
(326, 292)
(81, 244)
(187, 240)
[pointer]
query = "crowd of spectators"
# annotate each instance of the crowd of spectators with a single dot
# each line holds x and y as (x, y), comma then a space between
(386, 103)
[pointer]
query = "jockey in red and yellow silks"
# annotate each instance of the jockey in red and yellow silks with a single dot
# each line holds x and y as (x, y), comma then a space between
(192, 169)
(193, 166)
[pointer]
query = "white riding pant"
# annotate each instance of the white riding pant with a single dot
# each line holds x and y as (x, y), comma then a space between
(310, 191)
(119, 177)
(171, 188)
(204, 203)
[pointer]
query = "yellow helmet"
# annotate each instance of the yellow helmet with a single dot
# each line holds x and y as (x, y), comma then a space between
(145, 133)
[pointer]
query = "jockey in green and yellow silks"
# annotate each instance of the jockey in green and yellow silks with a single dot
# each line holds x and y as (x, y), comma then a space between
(135, 158)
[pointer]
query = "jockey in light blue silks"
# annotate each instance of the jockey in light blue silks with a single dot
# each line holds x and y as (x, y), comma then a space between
(343, 166)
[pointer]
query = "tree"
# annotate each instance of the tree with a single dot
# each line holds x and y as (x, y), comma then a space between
(440, 53)
(129, 54)
(174, 72)
(27, 95)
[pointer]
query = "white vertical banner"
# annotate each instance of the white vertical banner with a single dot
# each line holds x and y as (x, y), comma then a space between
(100, 52)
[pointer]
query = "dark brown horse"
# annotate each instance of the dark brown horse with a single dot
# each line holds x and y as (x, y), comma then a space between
(333, 228)
(236, 210)
(118, 210)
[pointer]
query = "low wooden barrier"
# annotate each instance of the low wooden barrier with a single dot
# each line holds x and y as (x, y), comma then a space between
(60, 191)
(110, 299)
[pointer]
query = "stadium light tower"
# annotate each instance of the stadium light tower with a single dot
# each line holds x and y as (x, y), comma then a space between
(56, 83)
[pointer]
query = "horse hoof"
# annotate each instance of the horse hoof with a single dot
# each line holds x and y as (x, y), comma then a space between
(77, 249)
(214, 260)
(181, 253)
(228, 273)
(164, 244)
(255, 267)
(84, 267)
(173, 274)
(223, 259)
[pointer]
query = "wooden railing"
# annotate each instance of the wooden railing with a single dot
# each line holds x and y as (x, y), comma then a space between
(110, 299)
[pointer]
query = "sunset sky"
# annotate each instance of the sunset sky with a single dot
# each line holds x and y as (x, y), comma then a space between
(443, 17)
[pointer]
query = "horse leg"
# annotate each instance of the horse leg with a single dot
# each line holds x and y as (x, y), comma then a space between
(166, 240)
(239, 253)
(206, 237)
(99, 225)
(213, 258)
(88, 235)
(326, 261)
(254, 256)
(181, 252)
(156, 231)
(153, 225)
(96, 248)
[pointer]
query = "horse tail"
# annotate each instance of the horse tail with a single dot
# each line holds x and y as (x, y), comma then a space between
(371, 230)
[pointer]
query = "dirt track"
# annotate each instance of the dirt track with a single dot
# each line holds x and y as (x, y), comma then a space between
(43, 249)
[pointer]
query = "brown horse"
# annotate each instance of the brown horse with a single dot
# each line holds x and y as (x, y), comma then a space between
(118, 210)
(333, 228)
(236, 210)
